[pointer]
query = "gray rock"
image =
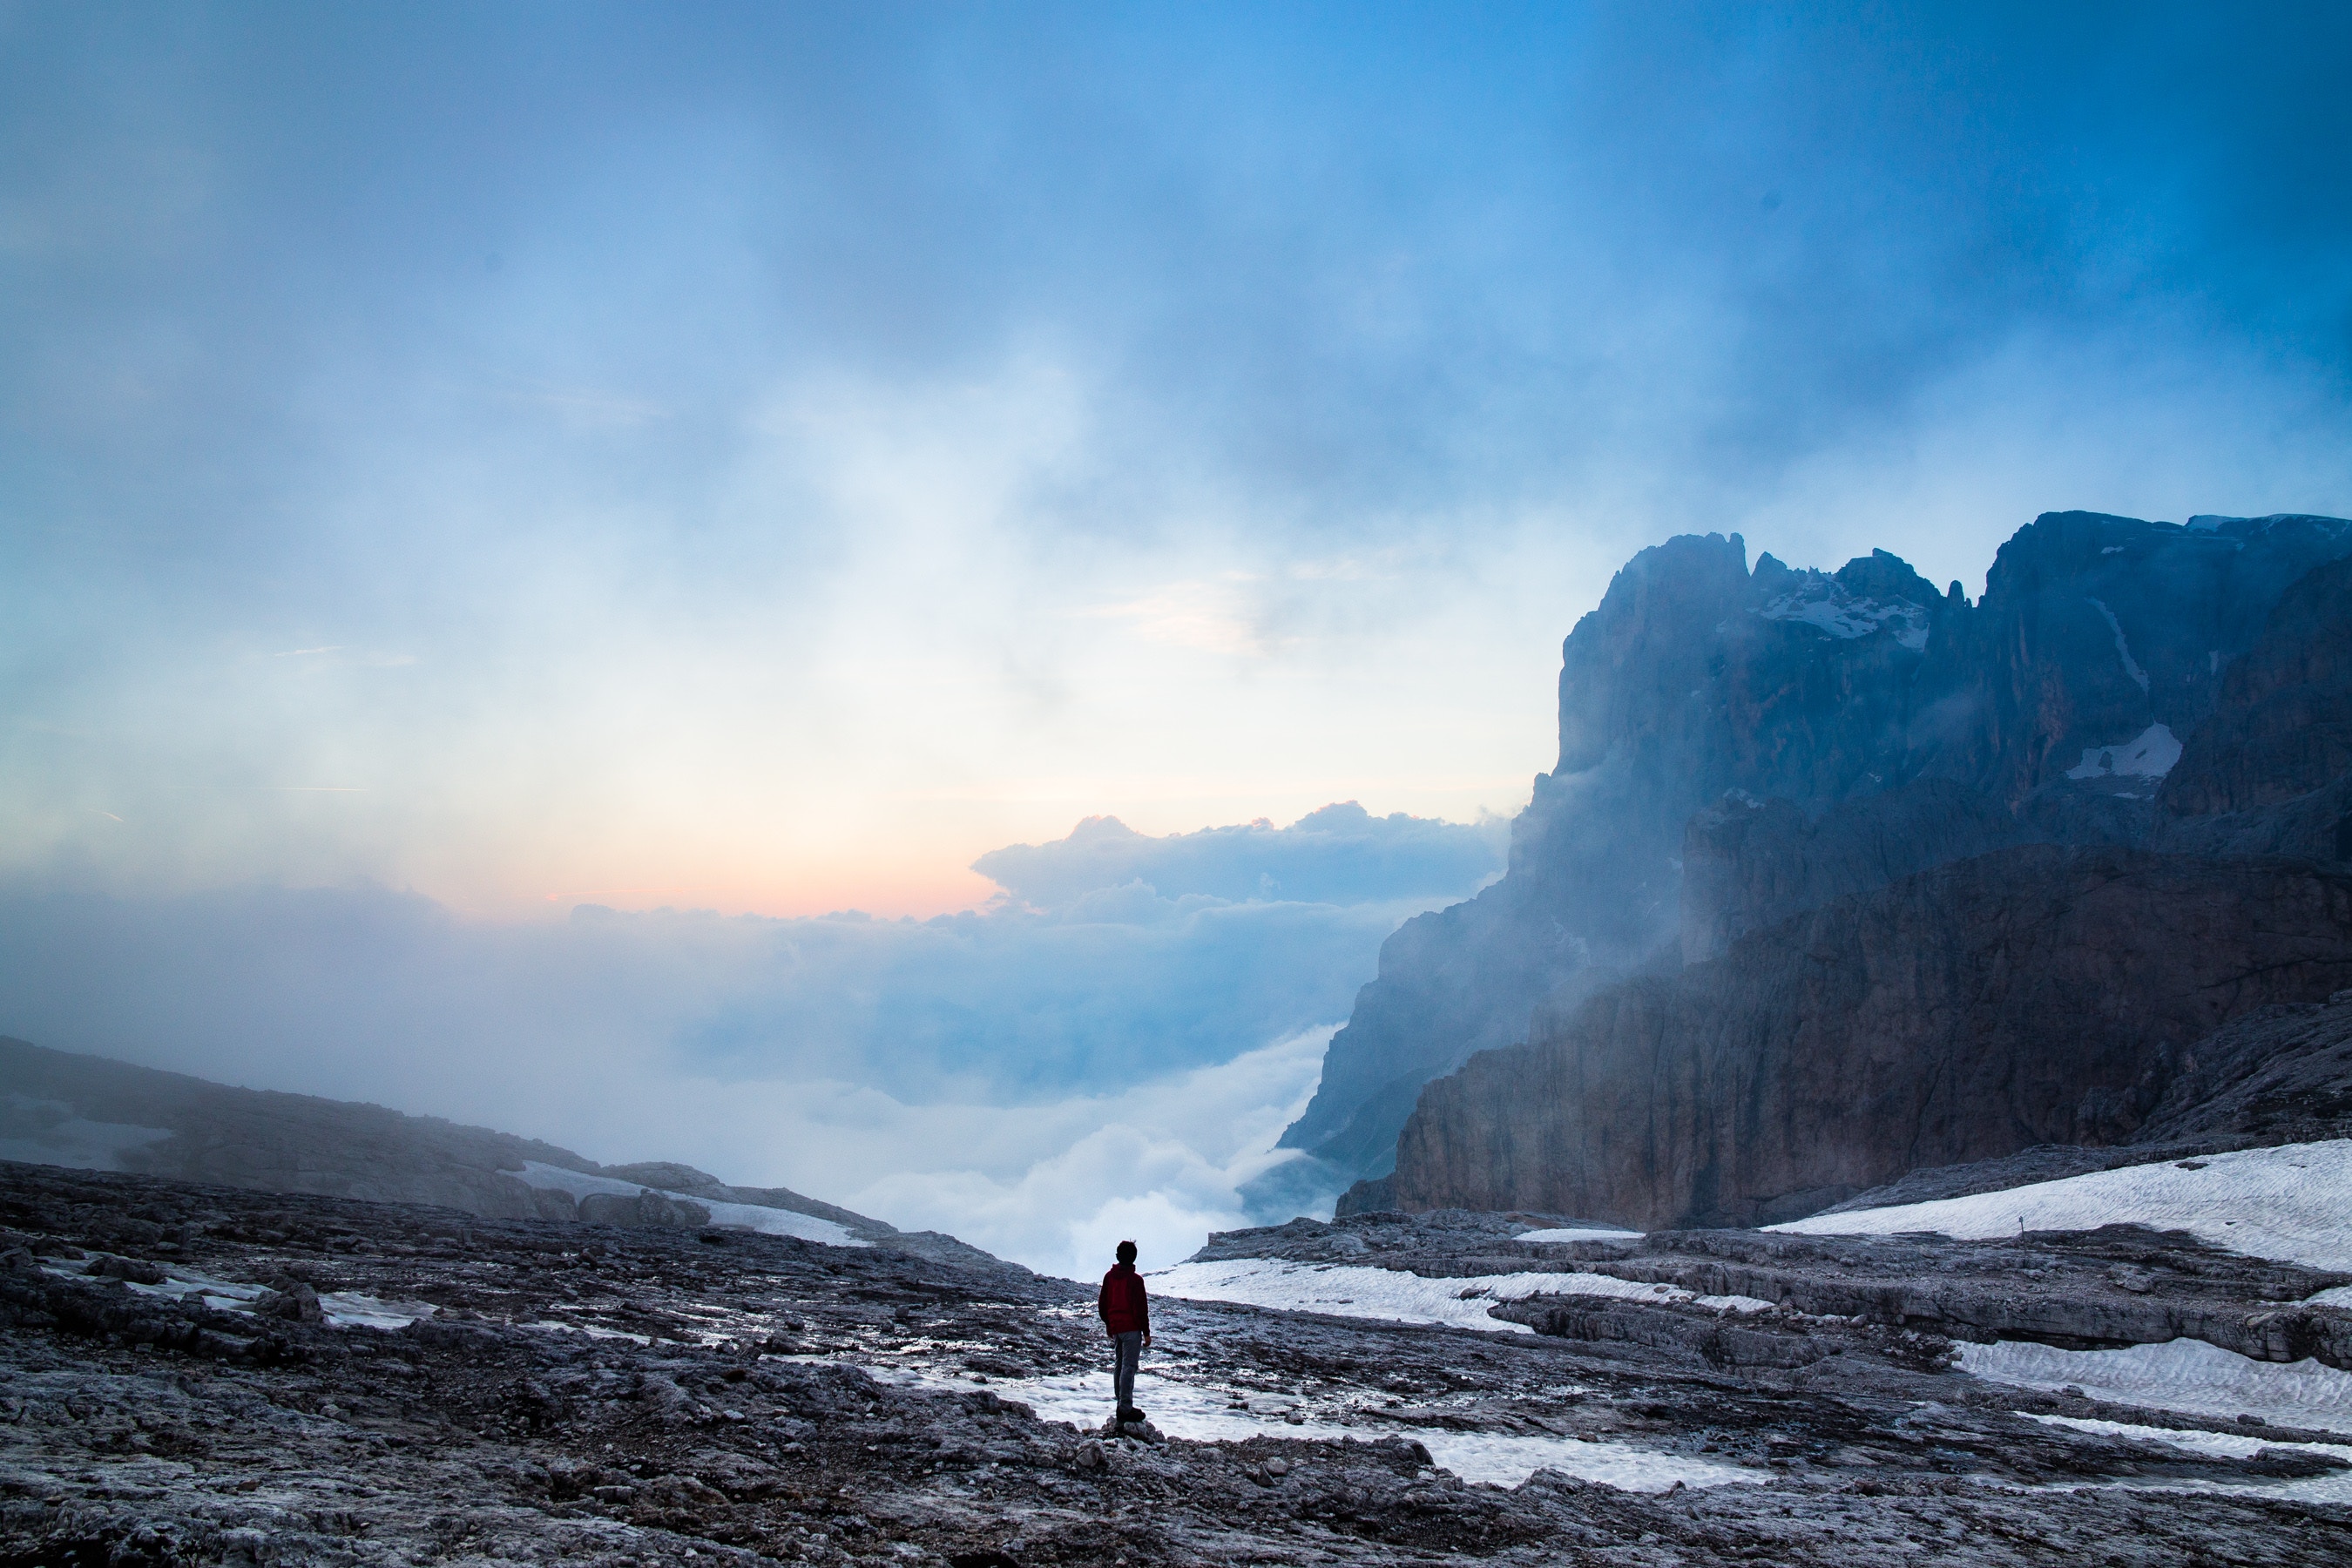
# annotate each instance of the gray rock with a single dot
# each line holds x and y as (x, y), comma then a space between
(1858, 1440)
(648, 1208)
(2280, 1075)
(2314, 826)
(290, 1143)
(292, 1301)
(138, 1270)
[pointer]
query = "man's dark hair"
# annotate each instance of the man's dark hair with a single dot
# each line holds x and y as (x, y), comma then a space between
(1127, 1252)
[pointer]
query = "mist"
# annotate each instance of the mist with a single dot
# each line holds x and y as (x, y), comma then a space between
(1030, 1077)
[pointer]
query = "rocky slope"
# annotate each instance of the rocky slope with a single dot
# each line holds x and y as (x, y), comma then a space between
(2056, 703)
(2041, 994)
(2278, 1075)
(535, 1392)
(61, 1107)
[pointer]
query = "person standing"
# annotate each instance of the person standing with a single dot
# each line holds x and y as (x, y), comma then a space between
(1126, 1317)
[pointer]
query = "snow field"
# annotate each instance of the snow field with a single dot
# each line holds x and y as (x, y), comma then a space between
(2211, 1445)
(1353, 1290)
(749, 1216)
(1181, 1409)
(2334, 1488)
(343, 1310)
(2188, 1377)
(2292, 1204)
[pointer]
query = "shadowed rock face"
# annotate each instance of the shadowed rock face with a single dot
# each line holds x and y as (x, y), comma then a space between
(2281, 1075)
(2058, 702)
(2039, 994)
(2284, 726)
(1750, 863)
(1693, 677)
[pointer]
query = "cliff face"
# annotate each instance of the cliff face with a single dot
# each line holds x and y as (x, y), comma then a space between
(1750, 863)
(2284, 725)
(2049, 711)
(1694, 676)
(2041, 994)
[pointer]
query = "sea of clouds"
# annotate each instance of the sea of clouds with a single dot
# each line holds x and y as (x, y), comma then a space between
(1110, 1049)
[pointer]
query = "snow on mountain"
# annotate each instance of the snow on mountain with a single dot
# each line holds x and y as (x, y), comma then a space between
(2293, 1202)
(1823, 601)
(2149, 755)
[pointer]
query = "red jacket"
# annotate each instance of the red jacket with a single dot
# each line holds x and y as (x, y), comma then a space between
(1121, 1303)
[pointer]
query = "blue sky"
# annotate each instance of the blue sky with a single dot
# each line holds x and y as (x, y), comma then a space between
(766, 459)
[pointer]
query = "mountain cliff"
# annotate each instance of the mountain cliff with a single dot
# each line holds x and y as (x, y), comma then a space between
(1739, 745)
(1895, 985)
(2040, 995)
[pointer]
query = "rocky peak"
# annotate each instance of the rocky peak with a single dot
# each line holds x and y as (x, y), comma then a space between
(1650, 634)
(2058, 702)
(2096, 630)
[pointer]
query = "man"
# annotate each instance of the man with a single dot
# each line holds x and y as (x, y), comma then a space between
(1126, 1317)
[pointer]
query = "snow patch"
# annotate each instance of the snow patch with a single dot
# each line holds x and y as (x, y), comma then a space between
(1572, 1235)
(2213, 1445)
(351, 1310)
(746, 1216)
(1824, 602)
(1353, 1290)
(49, 1132)
(343, 1308)
(2123, 650)
(2189, 1377)
(2148, 756)
(1181, 1408)
(2293, 1202)
(2334, 1488)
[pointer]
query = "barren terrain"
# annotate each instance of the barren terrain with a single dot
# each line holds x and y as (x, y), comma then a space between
(419, 1385)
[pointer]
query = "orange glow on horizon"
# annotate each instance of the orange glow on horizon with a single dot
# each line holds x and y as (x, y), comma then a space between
(919, 892)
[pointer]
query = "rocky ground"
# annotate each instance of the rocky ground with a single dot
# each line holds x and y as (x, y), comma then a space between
(195, 1375)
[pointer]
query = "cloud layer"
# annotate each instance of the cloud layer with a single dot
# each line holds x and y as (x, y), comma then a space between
(1025, 1077)
(1339, 854)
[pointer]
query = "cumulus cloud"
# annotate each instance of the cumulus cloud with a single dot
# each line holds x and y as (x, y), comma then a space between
(1162, 1163)
(1339, 854)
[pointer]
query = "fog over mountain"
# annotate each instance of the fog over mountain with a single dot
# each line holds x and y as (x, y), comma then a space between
(1096, 1055)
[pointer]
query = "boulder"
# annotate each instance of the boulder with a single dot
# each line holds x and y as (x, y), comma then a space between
(648, 1207)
